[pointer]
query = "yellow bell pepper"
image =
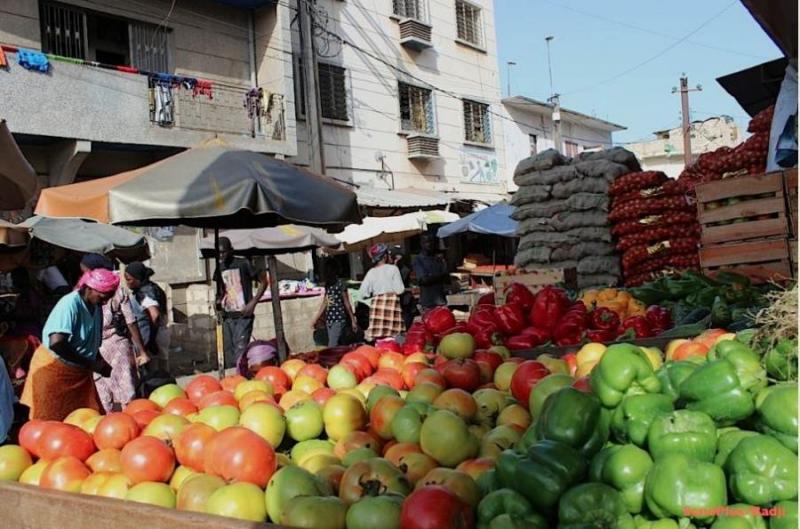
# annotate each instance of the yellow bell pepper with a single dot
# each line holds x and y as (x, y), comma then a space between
(589, 298)
(635, 308)
(607, 294)
(588, 357)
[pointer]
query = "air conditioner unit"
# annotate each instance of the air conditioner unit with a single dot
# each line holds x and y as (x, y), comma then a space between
(414, 34)
(422, 147)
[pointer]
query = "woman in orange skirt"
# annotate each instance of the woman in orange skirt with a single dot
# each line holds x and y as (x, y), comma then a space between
(61, 375)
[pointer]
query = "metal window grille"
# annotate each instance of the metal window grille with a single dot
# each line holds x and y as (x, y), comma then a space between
(149, 47)
(409, 9)
(63, 30)
(468, 23)
(533, 141)
(333, 91)
(477, 122)
(571, 149)
(416, 109)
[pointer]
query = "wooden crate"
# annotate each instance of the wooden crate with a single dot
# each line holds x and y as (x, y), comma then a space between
(790, 183)
(772, 203)
(537, 279)
(761, 260)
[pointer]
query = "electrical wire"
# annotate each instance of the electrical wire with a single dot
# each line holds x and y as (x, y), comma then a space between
(657, 55)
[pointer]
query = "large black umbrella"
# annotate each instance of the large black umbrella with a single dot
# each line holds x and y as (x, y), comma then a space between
(211, 186)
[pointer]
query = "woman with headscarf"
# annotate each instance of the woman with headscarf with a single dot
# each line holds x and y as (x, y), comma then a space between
(257, 355)
(149, 303)
(120, 335)
(61, 377)
(383, 284)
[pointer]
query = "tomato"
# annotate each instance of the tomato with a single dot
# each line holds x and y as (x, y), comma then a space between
(394, 454)
(115, 430)
(390, 377)
(14, 460)
(237, 454)
(416, 466)
(30, 433)
(106, 460)
(315, 371)
(331, 477)
(446, 437)
(243, 501)
(435, 507)
(391, 360)
(152, 494)
(145, 417)
(166, 427)
(380, 418)
(373, 512)
(370, 478)
(343, 414)
(64, 473)
(432, 376)
(138, 405)
(180, 406)
(287, 483)
(526, 376)
(195, 491)
(200, 386)
(315, 512)
(92, 484)
(147, 459)
(359, 363)
(459, 483)
(411, 371)
(322, 395)
(354, 441)
(274, 375)
(372, 354)
(459, 402)
(462, 373)
(191, 443)
(218, 398)
(475, 467)
(60, 440)
(230, 383)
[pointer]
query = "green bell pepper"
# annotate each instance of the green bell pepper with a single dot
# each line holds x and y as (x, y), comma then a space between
(632, 418)
(781, 360)
(691, 433)
(625, 468)
(715, 389)
(672, 374)
(664, 523)
(727, 440)
(508, 509)
(574, 418)
(488, 482)
(752, 375)
(762, 471)
(740, 516)
(624, 369)
(593, 505)
(776, 408)
(542, 475)
(703, 298)
(680, 486)
(785, 515)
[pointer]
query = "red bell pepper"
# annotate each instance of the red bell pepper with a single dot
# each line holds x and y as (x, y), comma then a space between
(638, 324)
(483, 315)
(486, 299)
(487, 337)
(524, 341)
(548, 307)
(659, 317)
(521, 295)
(439, 320)
(601, 335)
(604, 319)
(511, 319)
(569, 331)
(541, 335)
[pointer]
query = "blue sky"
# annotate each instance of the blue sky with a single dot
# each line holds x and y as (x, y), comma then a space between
(597, 41)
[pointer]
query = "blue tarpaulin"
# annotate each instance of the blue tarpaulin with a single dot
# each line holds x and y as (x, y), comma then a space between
(494, 220)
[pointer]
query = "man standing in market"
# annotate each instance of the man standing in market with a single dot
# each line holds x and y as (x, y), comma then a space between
(431, 272)
(236, 298)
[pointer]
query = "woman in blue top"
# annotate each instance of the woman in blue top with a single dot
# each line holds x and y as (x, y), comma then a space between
(61, 376)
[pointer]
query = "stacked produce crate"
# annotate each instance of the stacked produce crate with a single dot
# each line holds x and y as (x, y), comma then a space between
(562, 209)
(790, 190)
(746, 226)
(655, 224)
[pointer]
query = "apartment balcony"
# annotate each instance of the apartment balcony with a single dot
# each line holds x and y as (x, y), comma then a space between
(87, 103)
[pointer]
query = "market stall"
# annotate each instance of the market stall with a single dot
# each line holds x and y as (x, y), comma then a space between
(17, 178)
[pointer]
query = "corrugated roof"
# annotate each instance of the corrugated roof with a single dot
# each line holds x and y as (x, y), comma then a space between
(399, 198)
(534, 105)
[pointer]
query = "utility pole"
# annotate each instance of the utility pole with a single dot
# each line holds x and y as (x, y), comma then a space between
(686, 122)
(554, 100)
(509, 64)
(308, 61)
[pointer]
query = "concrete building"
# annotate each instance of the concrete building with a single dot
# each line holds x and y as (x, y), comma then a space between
(411, 100)
(665, 151)
(529, 130)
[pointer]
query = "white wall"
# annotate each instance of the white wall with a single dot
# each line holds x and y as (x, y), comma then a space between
(351, 151)
(522, 124)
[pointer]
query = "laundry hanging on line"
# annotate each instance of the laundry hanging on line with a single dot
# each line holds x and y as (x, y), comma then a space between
(33, 60)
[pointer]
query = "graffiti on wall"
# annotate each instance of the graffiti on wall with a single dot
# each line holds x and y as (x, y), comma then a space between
(479, 167)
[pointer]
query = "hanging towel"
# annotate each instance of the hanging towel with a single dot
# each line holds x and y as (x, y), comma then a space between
(203, 87)
(164, 109)
(33, 60)
(3, 60)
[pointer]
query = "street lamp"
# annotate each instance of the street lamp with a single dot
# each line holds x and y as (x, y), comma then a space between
(509, 64)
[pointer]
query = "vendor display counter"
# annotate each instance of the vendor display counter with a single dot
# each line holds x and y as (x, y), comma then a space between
(29, 507)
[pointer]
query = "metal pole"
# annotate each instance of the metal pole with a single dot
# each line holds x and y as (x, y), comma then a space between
(509, 64)
(218, 307)
(277, 314)
(549, 67)
(687, 124)
(316, 143)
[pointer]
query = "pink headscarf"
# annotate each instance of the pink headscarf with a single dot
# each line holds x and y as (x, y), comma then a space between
(101, 280)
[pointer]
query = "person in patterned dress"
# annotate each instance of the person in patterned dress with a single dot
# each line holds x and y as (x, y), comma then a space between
(335, 309)
(384, 285)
